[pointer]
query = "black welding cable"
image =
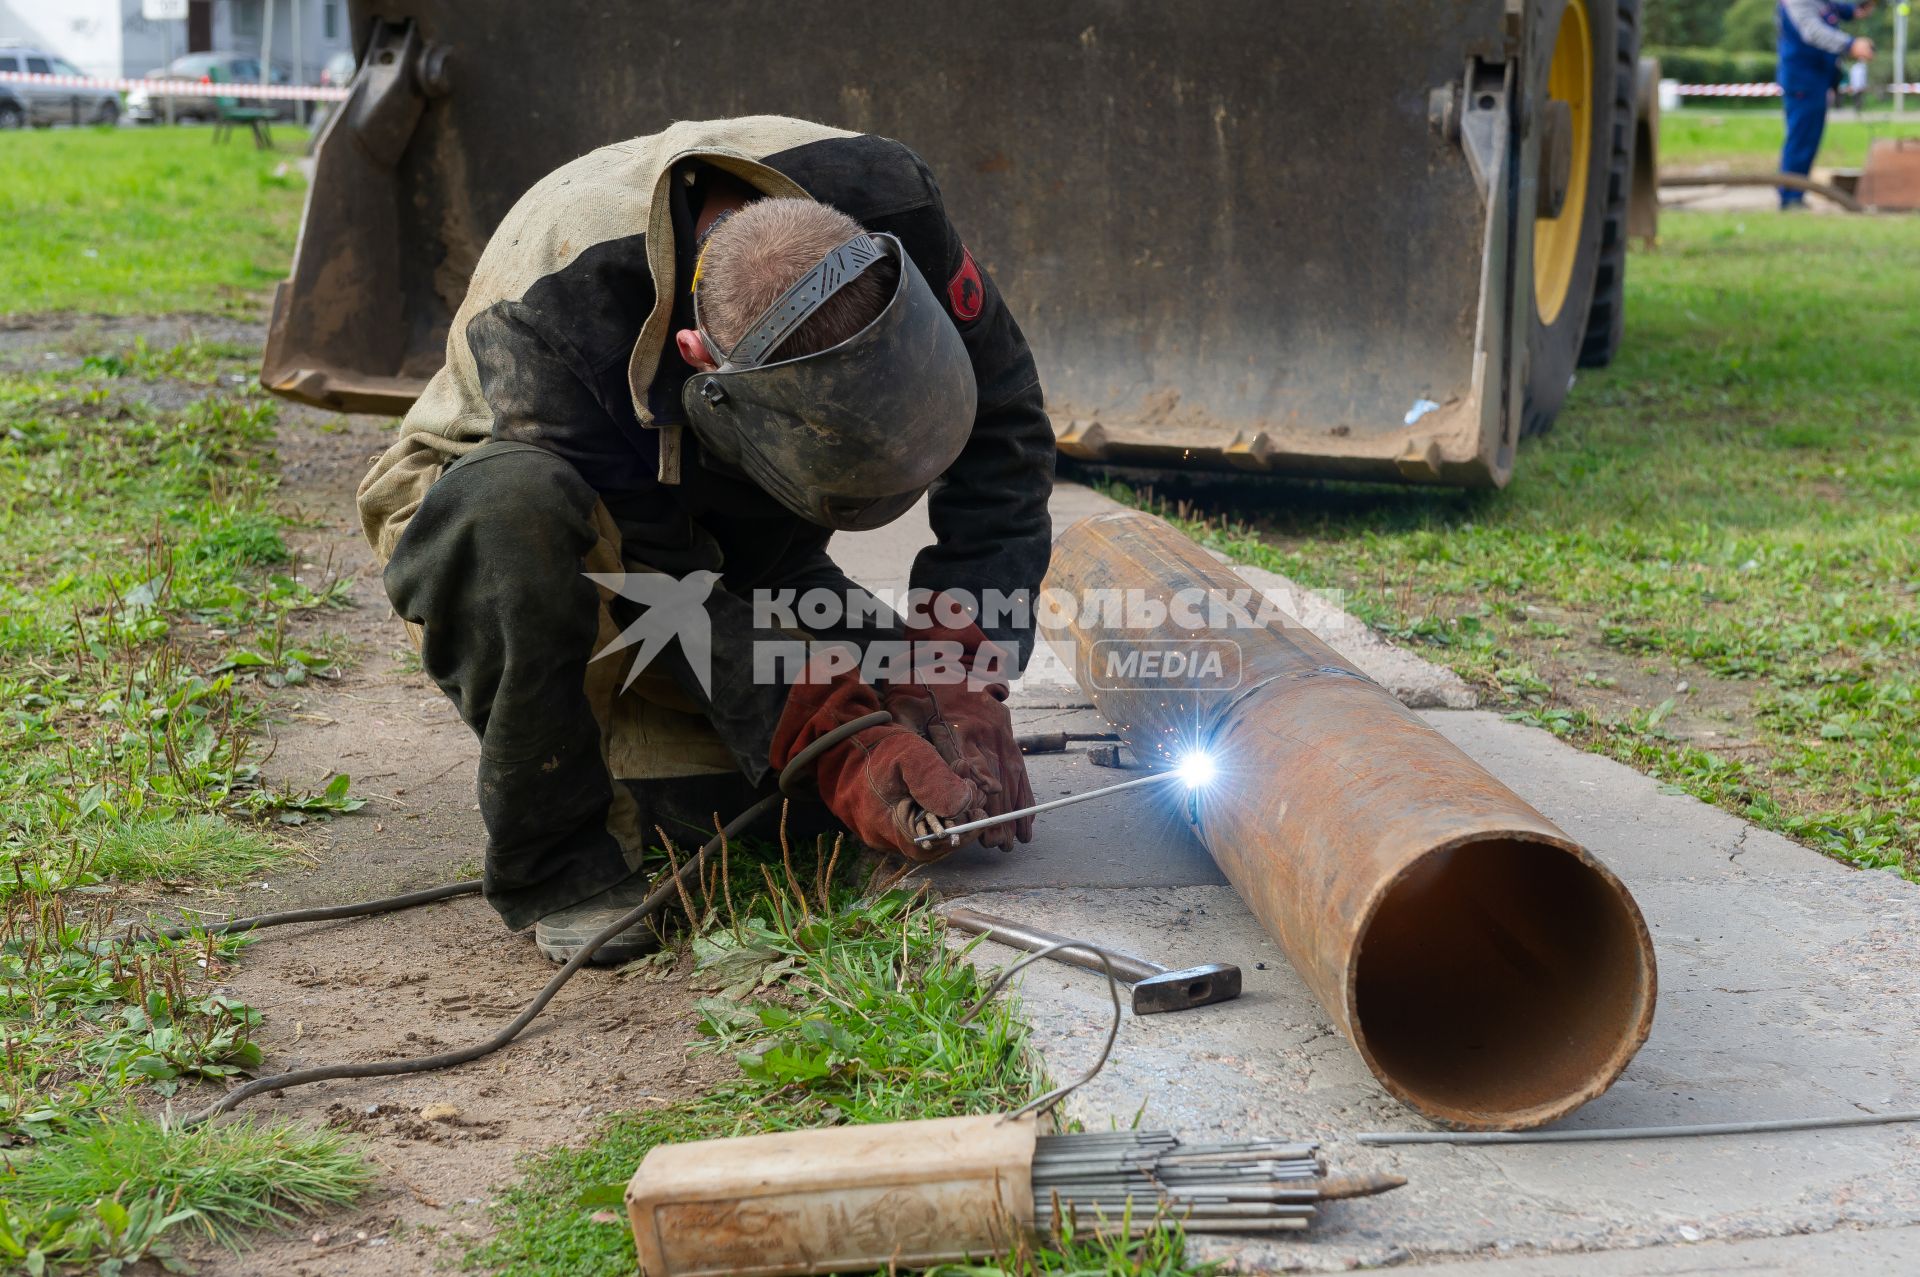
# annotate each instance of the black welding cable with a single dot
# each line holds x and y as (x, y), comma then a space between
(790, 776)
(321, 913)
(1635, 1132)
(1041, 743)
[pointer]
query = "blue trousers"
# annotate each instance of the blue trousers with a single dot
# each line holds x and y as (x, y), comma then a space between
(1806, 102)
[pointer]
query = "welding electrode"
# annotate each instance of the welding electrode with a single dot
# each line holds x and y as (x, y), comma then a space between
(1196, 769)
(1153, 1178)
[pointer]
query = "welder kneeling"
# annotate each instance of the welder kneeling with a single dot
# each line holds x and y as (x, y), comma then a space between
(682, 363)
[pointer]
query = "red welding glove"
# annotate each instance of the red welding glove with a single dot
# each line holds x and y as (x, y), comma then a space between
(876, 779)
(959, 705)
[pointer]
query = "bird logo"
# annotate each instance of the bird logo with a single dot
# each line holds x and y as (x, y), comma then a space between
(676, 608)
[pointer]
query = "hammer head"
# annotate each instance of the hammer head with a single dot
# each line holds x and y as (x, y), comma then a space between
(1183, 990)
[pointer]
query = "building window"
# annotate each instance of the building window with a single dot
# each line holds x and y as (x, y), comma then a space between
(246, 18)
(330, 19)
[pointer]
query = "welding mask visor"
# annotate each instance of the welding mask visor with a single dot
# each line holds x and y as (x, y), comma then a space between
(851, 436)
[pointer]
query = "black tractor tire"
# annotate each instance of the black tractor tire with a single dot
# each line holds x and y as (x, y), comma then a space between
(1554, 349)
(1607, 317)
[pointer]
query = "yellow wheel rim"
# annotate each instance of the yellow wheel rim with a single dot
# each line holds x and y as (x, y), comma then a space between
(1556, 240)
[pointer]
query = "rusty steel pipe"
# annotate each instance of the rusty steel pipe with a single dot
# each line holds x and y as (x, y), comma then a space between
(1489, 970)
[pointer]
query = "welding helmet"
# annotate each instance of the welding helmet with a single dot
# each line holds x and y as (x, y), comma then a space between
(847, 437)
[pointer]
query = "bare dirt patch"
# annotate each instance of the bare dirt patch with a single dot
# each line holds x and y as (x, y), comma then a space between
(422, 981)
(30, 343)
(427, 981)
(1714, 714)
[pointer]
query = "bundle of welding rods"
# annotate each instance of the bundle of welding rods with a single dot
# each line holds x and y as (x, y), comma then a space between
(1094, 1181)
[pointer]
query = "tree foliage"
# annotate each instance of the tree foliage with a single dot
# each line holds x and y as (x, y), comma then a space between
(1688, 32)
(1692, 24)
(1750, 24)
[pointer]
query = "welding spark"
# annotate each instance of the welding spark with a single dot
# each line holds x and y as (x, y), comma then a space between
(1196, 768)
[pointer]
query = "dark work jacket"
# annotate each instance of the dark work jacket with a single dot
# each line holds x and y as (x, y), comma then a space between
(578, 359)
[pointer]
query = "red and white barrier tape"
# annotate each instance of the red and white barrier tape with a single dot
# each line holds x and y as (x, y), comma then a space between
(178, 88)
(1763, 90)
(1729, 90)
(316, 93)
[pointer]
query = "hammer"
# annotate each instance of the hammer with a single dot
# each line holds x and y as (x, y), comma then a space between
(1155, 988)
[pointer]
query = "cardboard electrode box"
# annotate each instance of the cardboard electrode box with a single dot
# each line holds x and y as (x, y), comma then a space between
(851, 1198)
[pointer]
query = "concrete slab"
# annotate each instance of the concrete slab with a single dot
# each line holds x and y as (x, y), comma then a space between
(1868, 1252)
(1790, 987)
(1128, 840)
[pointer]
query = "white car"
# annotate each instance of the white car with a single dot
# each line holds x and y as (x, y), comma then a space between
(237, 69)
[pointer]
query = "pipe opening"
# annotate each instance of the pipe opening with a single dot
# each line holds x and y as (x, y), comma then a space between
(1501, 978)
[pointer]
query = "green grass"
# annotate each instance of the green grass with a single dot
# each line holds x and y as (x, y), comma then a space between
(834, 1007)
(107, 1197)
(1711, 568)
(1749, 141)
(145, 604)
(197, 848)
(1160, 1253)
(146, 607)
(91, 1027)
(90, 1022)
(129, 221)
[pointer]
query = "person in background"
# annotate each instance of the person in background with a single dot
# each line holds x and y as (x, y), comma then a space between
(1811, 46)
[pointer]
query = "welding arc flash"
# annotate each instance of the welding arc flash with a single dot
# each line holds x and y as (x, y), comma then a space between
(1196, 769)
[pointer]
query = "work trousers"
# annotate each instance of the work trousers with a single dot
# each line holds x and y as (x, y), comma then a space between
(1806, 105)
(575, 774)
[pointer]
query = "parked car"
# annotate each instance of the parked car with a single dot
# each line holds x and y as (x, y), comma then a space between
(45, 104)
(237, 69)
(13, 109)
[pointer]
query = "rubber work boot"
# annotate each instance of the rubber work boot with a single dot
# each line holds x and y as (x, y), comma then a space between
(564, 932)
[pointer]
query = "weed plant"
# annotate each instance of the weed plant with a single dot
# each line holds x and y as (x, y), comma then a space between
(146, 609)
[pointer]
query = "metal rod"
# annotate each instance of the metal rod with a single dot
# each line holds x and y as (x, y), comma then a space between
(953, 831)
(1635, 1132)
(1142, 1228)
(1135, 1183)
(1186, 1205)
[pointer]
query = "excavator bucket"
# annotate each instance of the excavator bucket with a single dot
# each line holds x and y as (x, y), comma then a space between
(1243, 237)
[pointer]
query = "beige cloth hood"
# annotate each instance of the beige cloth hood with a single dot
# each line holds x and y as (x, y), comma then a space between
(611, 193)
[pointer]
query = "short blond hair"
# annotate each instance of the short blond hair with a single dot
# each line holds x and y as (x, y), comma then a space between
(759, 253)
